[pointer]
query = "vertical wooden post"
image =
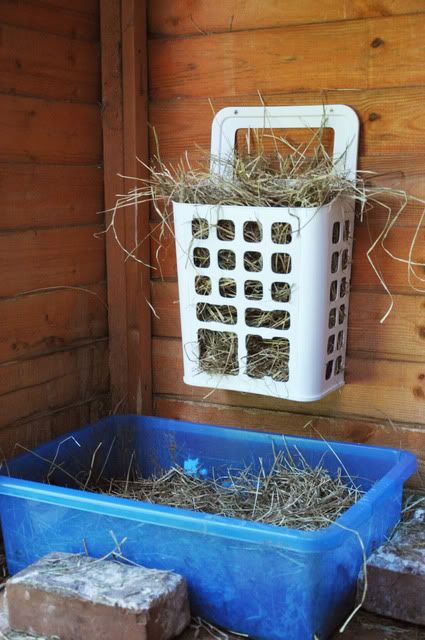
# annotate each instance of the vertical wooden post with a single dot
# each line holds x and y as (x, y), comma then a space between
(124, 85)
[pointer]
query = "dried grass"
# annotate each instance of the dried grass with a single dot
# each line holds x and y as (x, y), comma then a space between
(294, 176)
(267, 357)
(218, 352)
(290, 494)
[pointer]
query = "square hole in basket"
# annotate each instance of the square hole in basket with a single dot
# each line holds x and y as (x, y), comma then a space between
(252, 231)
(344, 261)
(216, 313)
(281, 233)
(267, 357)
(281, 263)
(336, 232)
(201, 257)
(334, 262)
(340, 341)
(253, 261)
(332, 318)
(227, 287)
(203, 285)
(281, 291)
(338, 365)
(343, 287)
(331, 344)
(333, 290)
(218, 352)
(275, 319)
(341, 314)
(200, 228)
(329, 367)
(346, 234)
(226, 259)
(226, 230)
(253, 289)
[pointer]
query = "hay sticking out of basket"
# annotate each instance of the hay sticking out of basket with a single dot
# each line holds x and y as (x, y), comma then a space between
(290, 493)
(270, 172)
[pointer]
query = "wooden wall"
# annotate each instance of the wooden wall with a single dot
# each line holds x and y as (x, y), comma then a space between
(368, 55)
(53, 318)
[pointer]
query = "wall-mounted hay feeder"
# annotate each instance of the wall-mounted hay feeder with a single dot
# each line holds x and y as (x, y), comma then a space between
(264, 289)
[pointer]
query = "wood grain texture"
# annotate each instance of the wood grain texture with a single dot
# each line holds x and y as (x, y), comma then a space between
(55, 320)
(369, 56)
(401, 337)
(45, 65)
(50, 17)
(33, 430)
(50, 257)
(36, 196)
(135, 137)
(113, 164)
(176, 18)
(395, 273)
(40, 131)
(391, 122)
(374, 388)
(336, 55)
(348, 430)
(89, 7)
(50, 382)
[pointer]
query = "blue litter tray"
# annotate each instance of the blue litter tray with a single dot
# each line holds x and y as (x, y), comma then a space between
(272, 583)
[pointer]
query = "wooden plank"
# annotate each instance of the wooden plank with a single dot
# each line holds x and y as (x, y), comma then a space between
(90, 7)
(391, 120)
(174, 18)
(401, 337)
(135, 133)
(394, 273)
(335, 55)
(33, 431)
(35, 196)
(363, 276)
(52, 18)
(347, 430)
(50, 257)
(46, 65)
(53, 381)
(41, 323)
(113, 163)
(374, 388)
(40, 131)
(47, 368)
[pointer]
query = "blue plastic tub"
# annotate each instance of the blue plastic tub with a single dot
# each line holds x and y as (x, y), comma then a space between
(270, 582)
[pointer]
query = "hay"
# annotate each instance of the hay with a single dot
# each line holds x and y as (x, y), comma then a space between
(293, 176)
(255, 317)
(221, 313)
(290, 494)
(227, 287)
(218, 352)
(267, 357)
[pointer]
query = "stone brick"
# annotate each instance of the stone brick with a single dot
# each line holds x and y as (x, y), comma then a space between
(396, 574)
(76, 598)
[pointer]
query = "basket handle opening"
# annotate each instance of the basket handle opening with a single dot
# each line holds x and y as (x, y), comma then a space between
(341, 119)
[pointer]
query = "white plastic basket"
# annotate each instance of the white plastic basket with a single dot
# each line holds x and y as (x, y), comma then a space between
(313, 293)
